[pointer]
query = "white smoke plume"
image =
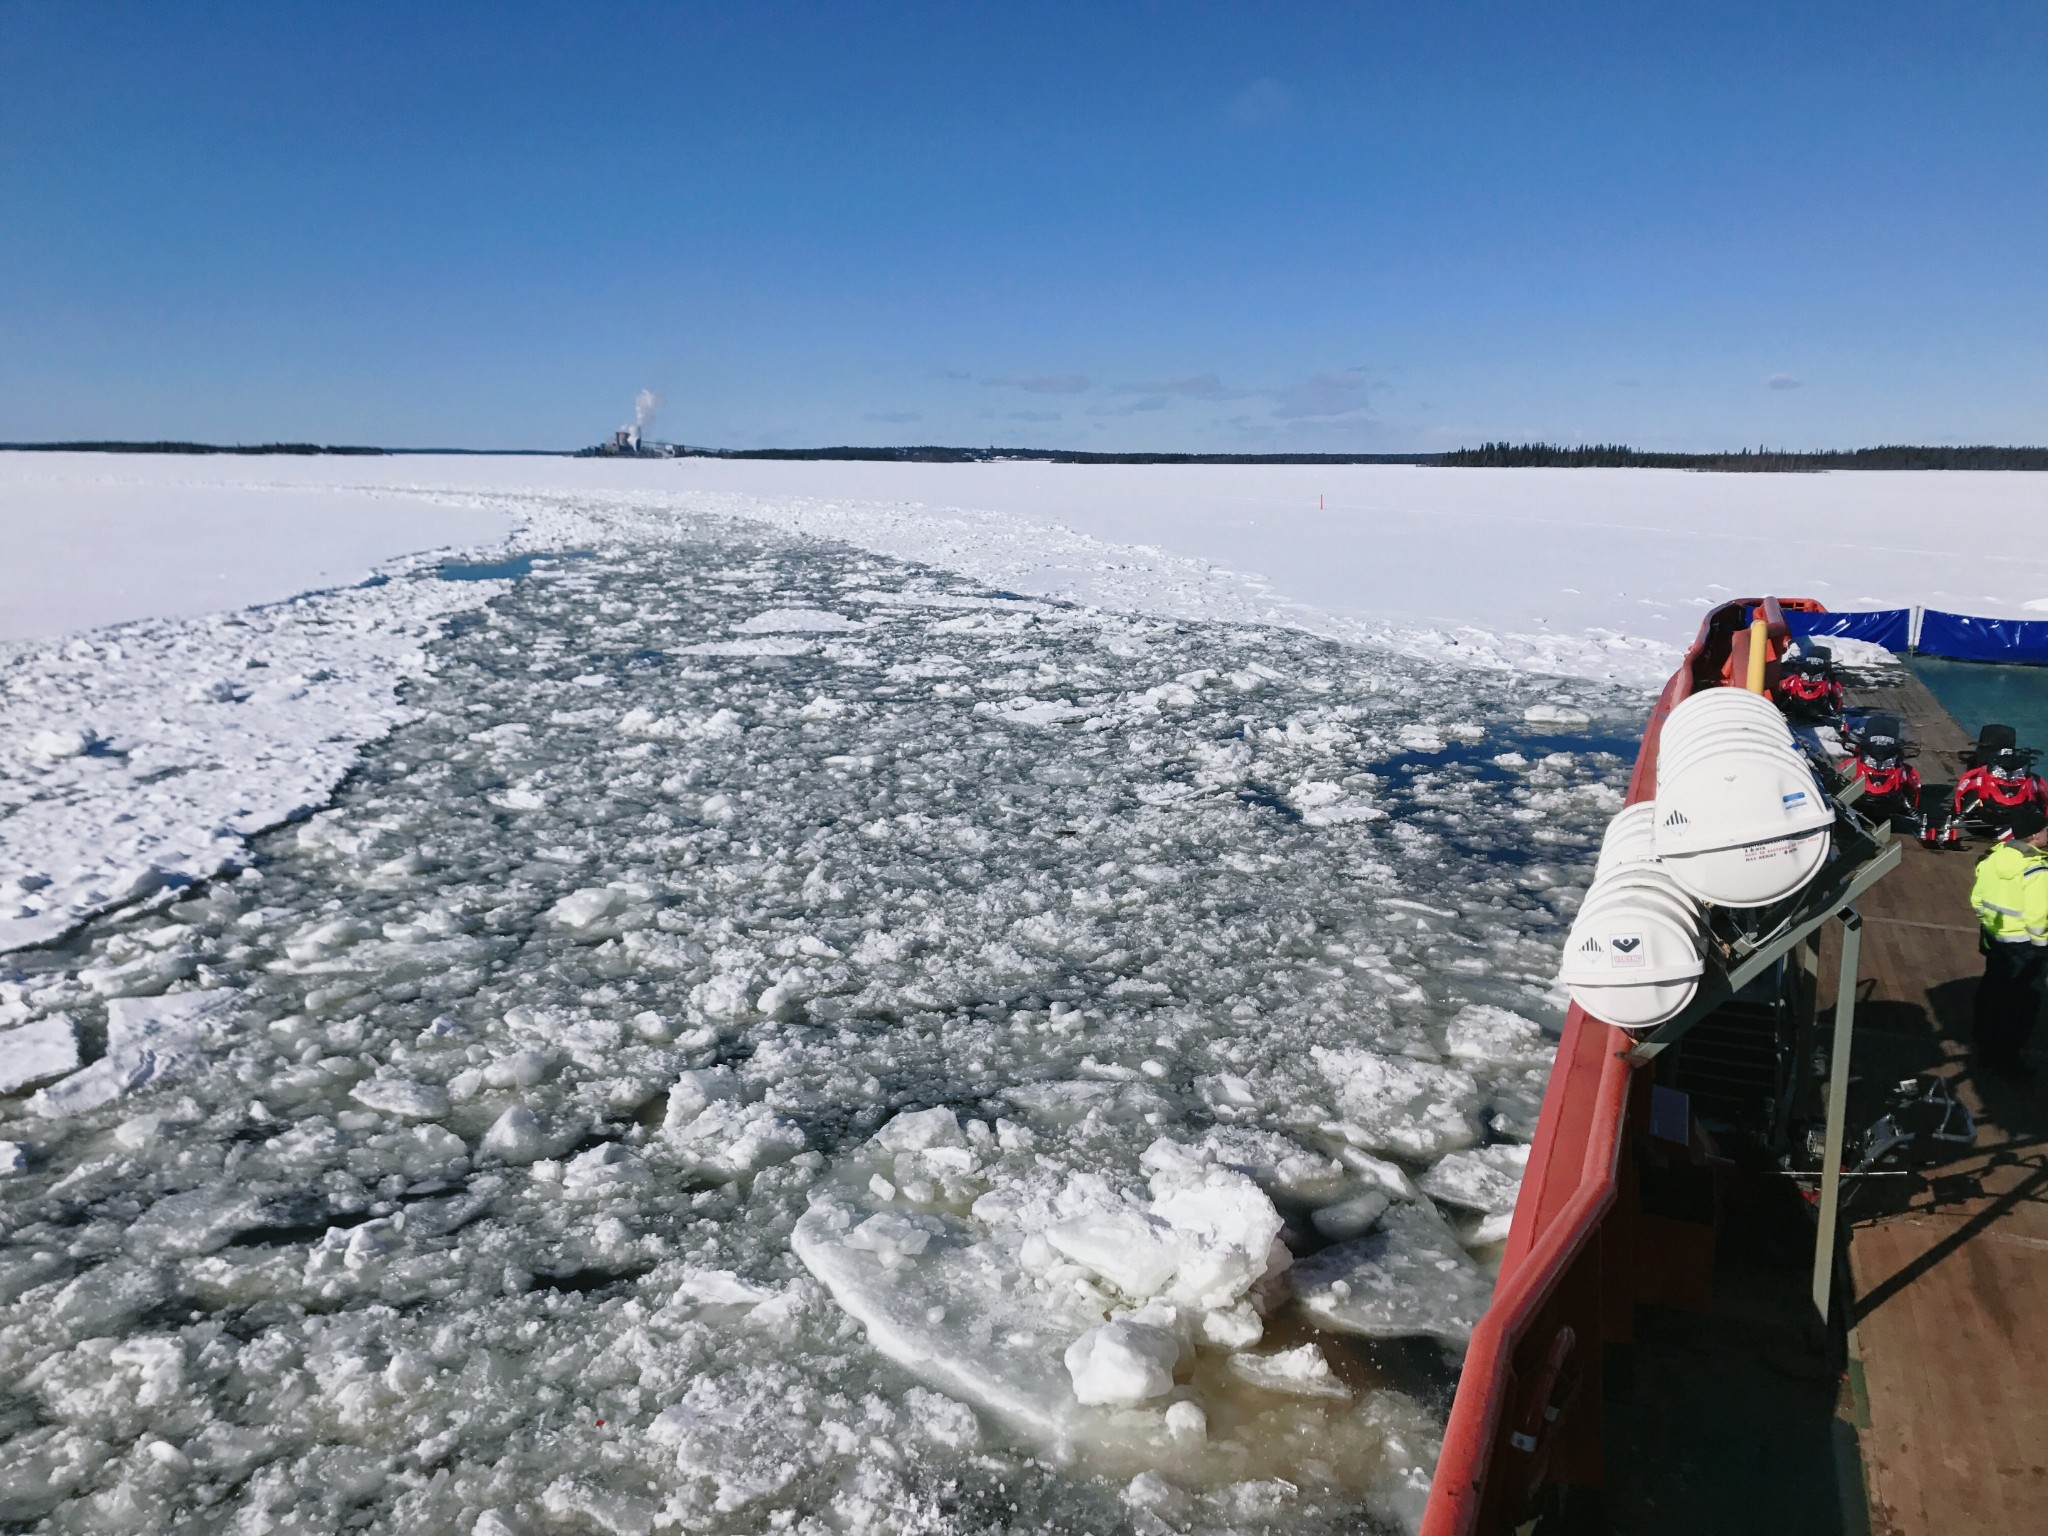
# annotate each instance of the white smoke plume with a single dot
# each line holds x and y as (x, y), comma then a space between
(646, 405)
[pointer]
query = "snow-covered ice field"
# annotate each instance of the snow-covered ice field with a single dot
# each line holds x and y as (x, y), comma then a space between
(88, 548)
(771, 1015)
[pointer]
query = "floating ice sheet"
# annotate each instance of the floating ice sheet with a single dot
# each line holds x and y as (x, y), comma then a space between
(35, 1053)
(1484, 1179)
(1409, 1276)
(150, 1041)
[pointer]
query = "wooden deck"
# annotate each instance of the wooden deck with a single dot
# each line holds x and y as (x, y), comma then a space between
(1950, 1270)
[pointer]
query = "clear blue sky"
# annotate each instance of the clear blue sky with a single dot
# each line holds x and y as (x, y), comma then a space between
(1349, 227)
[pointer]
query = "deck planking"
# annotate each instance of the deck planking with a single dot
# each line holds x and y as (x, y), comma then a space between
(1950, 1268)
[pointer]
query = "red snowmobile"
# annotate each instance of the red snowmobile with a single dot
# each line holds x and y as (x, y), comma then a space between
(1999, 782)
(1808, 689)
(1877, 759)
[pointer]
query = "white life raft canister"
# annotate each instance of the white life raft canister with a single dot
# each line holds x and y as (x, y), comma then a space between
(1741, 821)
(1631, 838)
(1637, 949)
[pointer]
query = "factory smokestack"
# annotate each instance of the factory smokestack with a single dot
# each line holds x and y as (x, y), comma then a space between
(629, 439)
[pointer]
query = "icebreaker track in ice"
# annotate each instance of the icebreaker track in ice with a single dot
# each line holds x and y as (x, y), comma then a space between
(780, 1039)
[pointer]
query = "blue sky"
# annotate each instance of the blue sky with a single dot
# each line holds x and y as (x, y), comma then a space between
(1352, 228)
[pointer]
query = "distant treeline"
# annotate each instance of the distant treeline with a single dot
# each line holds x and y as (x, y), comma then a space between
(173, 447)
(936, 455)
(1764, 460)
(1485, 456)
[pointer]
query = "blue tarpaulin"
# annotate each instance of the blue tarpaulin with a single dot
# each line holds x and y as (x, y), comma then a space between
(1963, 638)
(1888, 627)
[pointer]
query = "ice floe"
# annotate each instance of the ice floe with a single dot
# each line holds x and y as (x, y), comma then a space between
(36, 1053)
(1408, 1276)
(149, 1041)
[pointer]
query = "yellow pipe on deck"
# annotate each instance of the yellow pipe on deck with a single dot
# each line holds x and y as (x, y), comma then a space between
(1759, 652)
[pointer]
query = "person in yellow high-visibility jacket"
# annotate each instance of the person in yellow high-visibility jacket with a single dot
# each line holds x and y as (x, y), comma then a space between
(2010, 897)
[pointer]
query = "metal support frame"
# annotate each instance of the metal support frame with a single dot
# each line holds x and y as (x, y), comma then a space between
(1838, 1108)
(1804, 959)
(1838, 888)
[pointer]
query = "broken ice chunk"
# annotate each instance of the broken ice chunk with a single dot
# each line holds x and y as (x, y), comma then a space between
(572, 1503)
(1067, 1103)
(13, 1159)
(1350, 1218)
(1484, 1033)
(515, 1136)
(1282, 1168)
(322, 940)
(1493, 1229)
(54, 746)
(996, 1347)
(36, 1053)
(403, 1097)
(585, 909)
(1025, 710)
(1379, 1173)
(1134, 1251)
(892, 1237)
(1392, 1104)
(798, 620)
(1483, 1179)
(1514, 1102)
(1324, 804)
(521, 1069)
(915, 1130)
(1125, 1361)
(1227, 1095)
(149, 1040)
(197, 1221)
(1209, 1239)
(1236, 1327)
(1302, 1371)
(137, 1131)
(601, 1170)
(696, 1091)
(1150, 1491)
(728, 1139)
(1407, 1278)
(1232, 1234)
(723, 1288)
